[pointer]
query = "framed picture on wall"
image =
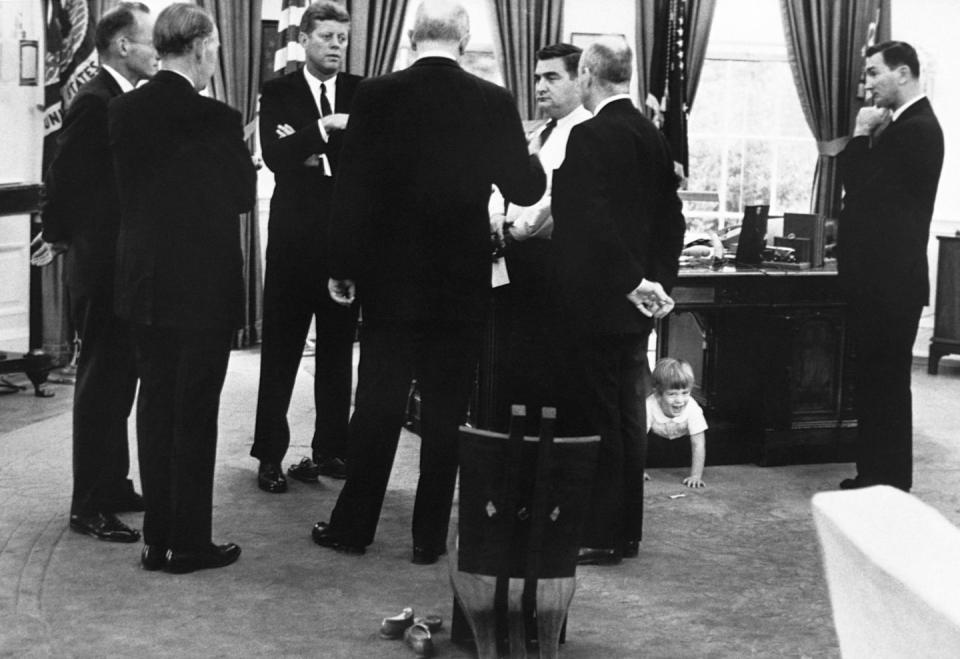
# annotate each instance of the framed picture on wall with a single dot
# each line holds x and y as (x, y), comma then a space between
(584, 39)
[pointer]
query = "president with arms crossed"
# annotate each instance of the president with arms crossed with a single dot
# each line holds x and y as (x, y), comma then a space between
(302, 118)
(890, 172)
(618, 232)
(410, 230)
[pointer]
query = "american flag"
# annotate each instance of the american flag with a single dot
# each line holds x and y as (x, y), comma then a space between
(289, 51)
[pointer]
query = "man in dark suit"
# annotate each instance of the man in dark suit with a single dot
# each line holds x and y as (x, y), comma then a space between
(890, 171)
(618, 232)
(184, 175)
(302, 119)
(410, 234)
(82, 215)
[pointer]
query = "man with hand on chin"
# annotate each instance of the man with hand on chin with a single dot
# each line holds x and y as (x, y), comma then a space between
(890, 171)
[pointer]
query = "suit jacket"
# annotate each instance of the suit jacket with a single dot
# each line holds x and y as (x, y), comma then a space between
(82, 207)
(184, 175)
(300, 207)
(891, 186)
(617, 219)
(410, 224)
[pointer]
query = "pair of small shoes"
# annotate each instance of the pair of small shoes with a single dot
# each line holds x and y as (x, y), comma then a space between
(419, 638)
(395, 626)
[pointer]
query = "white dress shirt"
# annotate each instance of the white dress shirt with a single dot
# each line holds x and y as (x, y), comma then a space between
(537, 220)
(330, 86)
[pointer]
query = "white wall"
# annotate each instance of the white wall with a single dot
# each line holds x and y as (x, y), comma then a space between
(616, 17)
(21, 142)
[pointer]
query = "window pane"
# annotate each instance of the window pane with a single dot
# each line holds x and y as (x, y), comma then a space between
(747, 101)
(798, 160)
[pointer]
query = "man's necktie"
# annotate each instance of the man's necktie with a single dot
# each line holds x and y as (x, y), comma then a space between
(545, 133)
(325, 108)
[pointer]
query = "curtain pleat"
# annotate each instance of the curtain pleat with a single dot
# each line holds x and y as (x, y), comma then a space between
(824, 42)
(373, 50)
(236, 82)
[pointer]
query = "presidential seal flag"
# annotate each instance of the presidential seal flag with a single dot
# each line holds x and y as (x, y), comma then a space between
(70, 61)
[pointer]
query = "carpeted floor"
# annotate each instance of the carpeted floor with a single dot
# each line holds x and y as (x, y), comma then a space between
(732, 570)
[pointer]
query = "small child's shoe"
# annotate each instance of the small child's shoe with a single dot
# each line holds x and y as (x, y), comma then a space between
(433, 622)
(419, 639)
(394, 627)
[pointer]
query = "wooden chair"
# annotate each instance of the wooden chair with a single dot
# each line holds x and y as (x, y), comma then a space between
(513, 561)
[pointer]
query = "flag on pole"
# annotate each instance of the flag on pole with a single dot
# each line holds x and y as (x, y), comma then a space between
(289, 51)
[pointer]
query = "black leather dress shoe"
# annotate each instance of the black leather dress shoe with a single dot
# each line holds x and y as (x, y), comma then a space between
(332, 468)
(305, 471)
(181, 562)
(104, 526)
(270, 478)
(152, 557)
(323, 536)
(597, 556)
(426, 556)
(631, 549)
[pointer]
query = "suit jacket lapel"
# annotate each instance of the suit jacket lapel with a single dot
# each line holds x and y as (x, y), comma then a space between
(111, 85)
(302, 93)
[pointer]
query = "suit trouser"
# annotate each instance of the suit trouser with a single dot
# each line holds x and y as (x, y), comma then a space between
(534, 357)
(614, 371)
(181, 377)
(443, 358)
(883, 348)
(102, 399)
(291, 297)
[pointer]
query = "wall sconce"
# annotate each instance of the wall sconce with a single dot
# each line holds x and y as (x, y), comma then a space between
(29, 62)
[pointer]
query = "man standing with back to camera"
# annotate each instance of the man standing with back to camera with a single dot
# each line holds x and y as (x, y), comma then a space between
(890, 171)
(410, 234)
(184, 175)
(618, 234)
(82, 215)
(302, 118)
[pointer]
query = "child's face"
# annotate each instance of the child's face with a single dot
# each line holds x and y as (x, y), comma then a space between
(672, 401)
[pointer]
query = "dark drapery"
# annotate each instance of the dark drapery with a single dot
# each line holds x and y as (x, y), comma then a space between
(824, 42)
(376, 29)
(237, 83)
(672, 40)
(526, 26)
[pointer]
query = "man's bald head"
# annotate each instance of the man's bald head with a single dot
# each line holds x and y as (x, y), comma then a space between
(440, 21)
(610, 61)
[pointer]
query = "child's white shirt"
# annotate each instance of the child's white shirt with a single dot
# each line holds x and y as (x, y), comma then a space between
(690, 422)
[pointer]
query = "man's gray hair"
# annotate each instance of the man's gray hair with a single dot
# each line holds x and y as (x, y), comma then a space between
(610, 60)
(178, 25)
(440, 20)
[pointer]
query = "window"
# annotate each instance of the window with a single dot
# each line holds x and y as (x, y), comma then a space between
(749, 141)
(481, 58)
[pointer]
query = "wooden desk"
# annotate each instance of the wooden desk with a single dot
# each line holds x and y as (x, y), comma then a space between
(771, 354)
(946, 324)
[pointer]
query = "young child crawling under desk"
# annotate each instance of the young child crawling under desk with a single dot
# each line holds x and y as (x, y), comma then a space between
(672, 413)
